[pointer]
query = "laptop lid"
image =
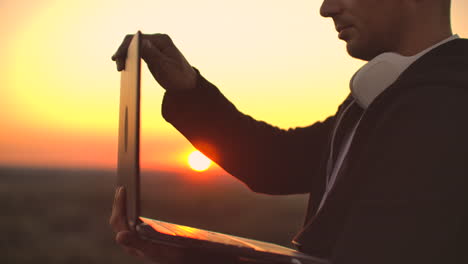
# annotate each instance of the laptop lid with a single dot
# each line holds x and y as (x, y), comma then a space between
(128, 163)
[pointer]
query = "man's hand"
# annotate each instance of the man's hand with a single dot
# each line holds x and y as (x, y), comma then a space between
(132, 243)
(167, 64)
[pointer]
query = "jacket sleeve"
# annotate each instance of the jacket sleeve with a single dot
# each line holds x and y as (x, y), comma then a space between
(266, 158)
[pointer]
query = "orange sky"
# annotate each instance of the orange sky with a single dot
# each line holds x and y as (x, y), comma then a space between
(277, 61)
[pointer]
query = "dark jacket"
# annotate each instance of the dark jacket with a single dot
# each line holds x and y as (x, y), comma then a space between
(401, 196)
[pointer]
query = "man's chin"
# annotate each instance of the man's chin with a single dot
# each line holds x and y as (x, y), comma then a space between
(359, 51)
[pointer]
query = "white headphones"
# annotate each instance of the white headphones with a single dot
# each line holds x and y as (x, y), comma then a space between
(376, 75)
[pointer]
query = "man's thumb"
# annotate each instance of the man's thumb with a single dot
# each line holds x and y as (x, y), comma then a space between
(128, 239)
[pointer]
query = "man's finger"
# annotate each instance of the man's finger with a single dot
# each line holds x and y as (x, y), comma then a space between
(118, 219)
(121, 54)
(160, 41)
(155, 252)
(131, 240)
(122, 50)
(151, 54)
(133, 252)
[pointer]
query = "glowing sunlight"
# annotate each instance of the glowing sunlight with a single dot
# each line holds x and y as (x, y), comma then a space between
(198, 162)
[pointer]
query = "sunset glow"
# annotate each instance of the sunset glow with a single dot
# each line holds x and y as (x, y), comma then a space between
(198, 162)
(277, 61)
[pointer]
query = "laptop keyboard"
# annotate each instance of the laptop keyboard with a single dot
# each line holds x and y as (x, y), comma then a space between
(195, 233)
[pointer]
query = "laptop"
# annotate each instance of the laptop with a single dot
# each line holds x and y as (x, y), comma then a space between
(220, 246)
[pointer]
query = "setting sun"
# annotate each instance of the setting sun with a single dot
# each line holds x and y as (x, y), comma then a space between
(198, 161)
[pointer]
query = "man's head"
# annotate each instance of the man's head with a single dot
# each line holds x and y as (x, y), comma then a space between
(371, 27)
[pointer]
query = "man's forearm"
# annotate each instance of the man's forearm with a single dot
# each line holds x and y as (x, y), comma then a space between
(266, 158)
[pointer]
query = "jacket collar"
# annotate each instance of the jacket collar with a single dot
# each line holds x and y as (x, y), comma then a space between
(381, 72)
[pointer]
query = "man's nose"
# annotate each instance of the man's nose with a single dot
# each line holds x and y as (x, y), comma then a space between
(330, 8)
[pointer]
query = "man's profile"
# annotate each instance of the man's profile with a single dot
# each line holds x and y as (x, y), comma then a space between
(386, 174)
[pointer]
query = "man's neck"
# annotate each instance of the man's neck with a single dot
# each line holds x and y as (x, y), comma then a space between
(422, 36)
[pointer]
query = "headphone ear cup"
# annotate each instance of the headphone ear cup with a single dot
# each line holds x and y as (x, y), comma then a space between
(377, 75)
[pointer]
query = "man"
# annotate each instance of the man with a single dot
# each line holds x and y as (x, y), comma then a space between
(387, 174)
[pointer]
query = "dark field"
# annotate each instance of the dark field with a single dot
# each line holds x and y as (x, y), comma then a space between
(61, 216)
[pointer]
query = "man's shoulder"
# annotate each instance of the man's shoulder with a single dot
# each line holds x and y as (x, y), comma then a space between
(436, 85)
(446, 60)
(444, 69)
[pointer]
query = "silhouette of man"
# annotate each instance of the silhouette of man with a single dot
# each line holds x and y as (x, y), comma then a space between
(387, 174)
